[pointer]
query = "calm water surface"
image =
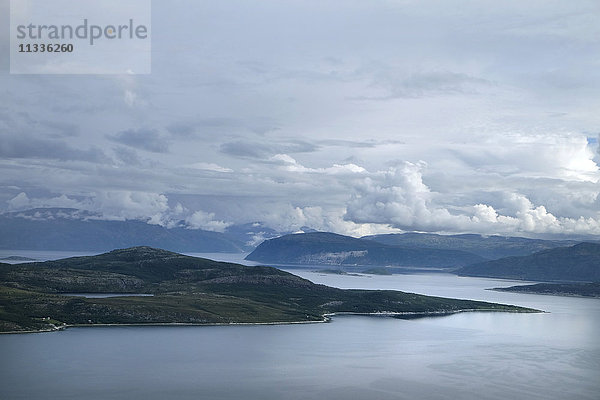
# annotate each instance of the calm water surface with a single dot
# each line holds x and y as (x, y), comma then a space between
(554, 355)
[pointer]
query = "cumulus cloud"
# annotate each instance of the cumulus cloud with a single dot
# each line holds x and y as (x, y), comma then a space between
(566, 156)
(289, 218)
(19, 202)
(400, 198)
(153, 208)
(22, 202)
(288, 163)
(132, 205)
(206, 221)
(499, 99)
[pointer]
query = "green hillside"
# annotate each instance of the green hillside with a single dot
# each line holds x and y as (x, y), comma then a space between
(490, 247)
(322, 248)
(186, 290)
(576, 263)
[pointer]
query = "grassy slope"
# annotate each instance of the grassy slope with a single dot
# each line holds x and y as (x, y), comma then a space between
(186, 290)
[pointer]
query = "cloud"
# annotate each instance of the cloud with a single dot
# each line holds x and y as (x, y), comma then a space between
(254, 149)
(499, 100)
(132, 205)
(130, 98)
(288, 163)
(566, 156)
(429, 83)
(153, 208)
(206, 221)
(29, 146)
(400, 198)
(112, 205)
(19, 202)
(144, 139)
(289, 218)
(126, 156)
(208, 167)
(22, 202)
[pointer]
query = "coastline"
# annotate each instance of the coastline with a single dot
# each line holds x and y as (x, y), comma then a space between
(579, 296)
(326, 319)
(66, 326)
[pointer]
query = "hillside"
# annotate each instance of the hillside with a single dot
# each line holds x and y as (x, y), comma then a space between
(322, 248)
(576, 263)
(489, 247)
(75, 230)
(186, 290)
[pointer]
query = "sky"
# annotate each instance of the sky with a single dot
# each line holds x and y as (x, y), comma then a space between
(351, 116)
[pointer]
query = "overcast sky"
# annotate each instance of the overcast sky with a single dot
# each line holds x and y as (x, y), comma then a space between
(352, 116)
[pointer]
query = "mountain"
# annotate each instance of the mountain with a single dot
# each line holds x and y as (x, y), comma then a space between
(490, 247)
(76, 230)
(189, 290)
(576, 263)
(322, 248)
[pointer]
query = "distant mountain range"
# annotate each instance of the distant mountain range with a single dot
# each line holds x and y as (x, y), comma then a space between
(580, 262)
(571, 262)
(489, 247)
(322, 248)
(76, 230)
(69, 229)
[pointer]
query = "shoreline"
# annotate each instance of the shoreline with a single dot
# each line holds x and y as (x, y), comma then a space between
(579, 296)
(326, 319)
(157, 324)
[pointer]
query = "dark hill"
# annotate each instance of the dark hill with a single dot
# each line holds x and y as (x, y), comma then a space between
(322, 248)
(490, 247)
(186, 290)
(576, 263)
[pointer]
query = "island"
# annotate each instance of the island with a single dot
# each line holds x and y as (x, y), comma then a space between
(591, 289)
(188, 290)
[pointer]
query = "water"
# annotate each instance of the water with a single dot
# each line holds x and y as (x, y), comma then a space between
(554, 355)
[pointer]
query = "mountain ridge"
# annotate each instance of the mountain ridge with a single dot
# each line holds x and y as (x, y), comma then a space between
(66, 229)
(490, 247)
(577, 263)
(325, 248)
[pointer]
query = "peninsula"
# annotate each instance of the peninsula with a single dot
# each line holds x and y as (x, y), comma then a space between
(188, 290)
